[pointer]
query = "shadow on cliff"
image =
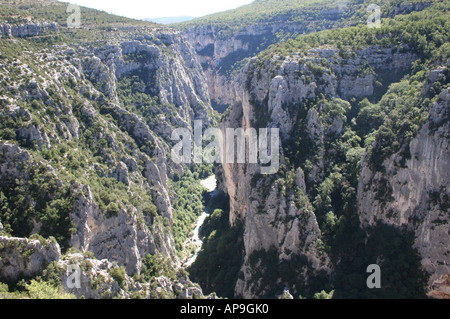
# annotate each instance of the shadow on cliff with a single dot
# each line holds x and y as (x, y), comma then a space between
(402, 276)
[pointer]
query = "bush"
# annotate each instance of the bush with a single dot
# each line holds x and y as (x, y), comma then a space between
(156, 265)
(8, 134)
(324, 295)
(112, 210)
(119, 275)
(44, 290)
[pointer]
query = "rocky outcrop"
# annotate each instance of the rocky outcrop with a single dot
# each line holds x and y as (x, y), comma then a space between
(177, 80)
(405, 8)
(12, 161)
(419, 194)
(276, 221)
(21, 257)
(84, 276)
(124, 239)
(276, 214)
(28, 29)
(90, 278)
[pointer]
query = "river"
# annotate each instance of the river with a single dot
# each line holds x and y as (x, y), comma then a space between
(196, 241)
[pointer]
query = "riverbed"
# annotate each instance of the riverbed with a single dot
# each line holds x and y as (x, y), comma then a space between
(196, 242)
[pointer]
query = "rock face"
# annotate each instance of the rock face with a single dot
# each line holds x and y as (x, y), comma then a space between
(225, 47)
(120, 238)
(84, 276)
(277, 215)
(21, 257)
(12, 160)
(27, 30)
(176, 80)
(295, 80)
(419, 194)
(79, 98)
(221, 45)
(95, 279)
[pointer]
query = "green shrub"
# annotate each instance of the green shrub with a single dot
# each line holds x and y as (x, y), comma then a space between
(156, 265)
(44, 290)
(119, 275)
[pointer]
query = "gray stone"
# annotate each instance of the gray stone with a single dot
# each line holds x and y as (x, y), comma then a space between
(424, 173)
(24, 257)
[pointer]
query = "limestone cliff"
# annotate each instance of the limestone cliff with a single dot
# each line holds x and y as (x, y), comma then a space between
(305, 96)
(24, 257)
(28, 29)
(226, 41)
(113, 167)
(418, 194)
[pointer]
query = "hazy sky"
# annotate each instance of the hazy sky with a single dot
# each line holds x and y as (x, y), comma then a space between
(140, 9)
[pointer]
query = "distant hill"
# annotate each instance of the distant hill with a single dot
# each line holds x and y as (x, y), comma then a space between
(170, 20)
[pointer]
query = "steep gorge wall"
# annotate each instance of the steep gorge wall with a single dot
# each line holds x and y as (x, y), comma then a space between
(224, 47)
(80, 83)
(276, 211)
(418, 195)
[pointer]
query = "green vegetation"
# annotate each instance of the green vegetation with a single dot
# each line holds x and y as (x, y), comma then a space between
(76, 140)
(312, 15)
(36, 289)
(60, 163)
(96, 26)
(46, 286)
(391, 248)
(63, 160)
(156, 265)
(40, 198)
(188, 204)
(270, 275)
(324, 295)
(404, 108)
(380, 125)
(425, 32)
(44, 290)
(118, 274)
(281, 21)
(55, 11)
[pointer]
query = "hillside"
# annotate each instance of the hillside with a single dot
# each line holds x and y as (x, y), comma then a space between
(89, 185)
(226, 41)
(363, 119)
(309, 14)
(56, 11)
(86, 116)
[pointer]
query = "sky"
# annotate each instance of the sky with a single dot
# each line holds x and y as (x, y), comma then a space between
(140, 9)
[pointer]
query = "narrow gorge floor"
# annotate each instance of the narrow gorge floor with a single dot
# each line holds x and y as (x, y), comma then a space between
(194, 243)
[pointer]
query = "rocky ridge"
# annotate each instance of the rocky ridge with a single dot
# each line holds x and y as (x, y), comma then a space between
(280, 215)
(76, 96)
(27, 29)
(95, 277)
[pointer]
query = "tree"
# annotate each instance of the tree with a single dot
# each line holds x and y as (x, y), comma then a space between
(369, 117)
(119, 275)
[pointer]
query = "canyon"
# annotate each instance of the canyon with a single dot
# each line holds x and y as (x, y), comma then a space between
(87, 174)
